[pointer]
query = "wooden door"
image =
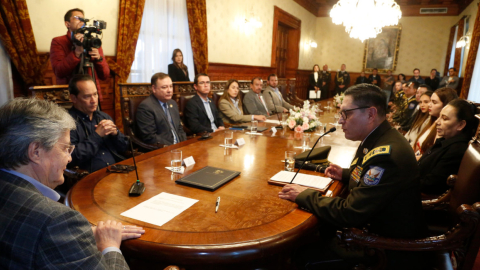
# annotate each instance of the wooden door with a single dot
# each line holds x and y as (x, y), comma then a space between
(281, 50)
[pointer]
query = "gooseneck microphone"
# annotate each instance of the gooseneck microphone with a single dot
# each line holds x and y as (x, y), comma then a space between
(330, 131)
(274, 106)
(138, 187)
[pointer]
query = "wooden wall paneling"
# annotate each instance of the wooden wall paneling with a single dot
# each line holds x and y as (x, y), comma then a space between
(224, 72)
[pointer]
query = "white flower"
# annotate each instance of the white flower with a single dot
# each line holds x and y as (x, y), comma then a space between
(298, 115)
(305, 119)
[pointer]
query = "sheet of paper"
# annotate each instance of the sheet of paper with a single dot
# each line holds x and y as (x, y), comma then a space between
(182, 169)
(232, 146)
(160, 209)
(302, 179)
(276, 122)
(258, 134)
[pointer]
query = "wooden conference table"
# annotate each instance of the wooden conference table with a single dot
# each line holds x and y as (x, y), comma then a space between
(253, 227)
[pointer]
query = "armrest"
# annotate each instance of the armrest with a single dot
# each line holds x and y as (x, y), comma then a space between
(469, 217)
(441, 202)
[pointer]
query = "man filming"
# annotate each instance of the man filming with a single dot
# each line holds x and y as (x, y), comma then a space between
(66, 55)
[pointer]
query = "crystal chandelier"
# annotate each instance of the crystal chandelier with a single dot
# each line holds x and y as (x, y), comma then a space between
(364, 19)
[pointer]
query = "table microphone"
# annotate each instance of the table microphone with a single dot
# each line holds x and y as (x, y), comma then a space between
(278, 116)
(330, 131)
(138, 187)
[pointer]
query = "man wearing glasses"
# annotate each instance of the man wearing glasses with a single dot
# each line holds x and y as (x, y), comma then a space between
(382, 178)
(98, 142)
(158, 118)
(201, 114)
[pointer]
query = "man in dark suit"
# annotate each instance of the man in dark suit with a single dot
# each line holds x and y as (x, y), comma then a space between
(253, 101)
(374, 78)
(361, 79)
(201, 114)
(37, 232)
(158, 118)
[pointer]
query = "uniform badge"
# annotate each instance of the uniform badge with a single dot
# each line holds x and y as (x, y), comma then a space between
(354, 162)
(365, 151)
(411, 106)
(355, 176)
(373, 175)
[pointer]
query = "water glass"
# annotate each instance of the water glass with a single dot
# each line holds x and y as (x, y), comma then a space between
(176, 160)
(253, 128)
(328, 104)
(228, 138)
(306, 141)
(290, 161)
(284, 119)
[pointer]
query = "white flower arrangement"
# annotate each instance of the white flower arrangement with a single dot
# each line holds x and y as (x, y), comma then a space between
(338, 99)
(303, 119)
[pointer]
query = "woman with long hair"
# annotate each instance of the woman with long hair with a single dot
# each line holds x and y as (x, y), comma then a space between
(314, 80)
(422, 119)
(230, 105)
(178, 71)
(401, 77)
(440, 98)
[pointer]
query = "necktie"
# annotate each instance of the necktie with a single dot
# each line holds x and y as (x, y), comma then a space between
(261, 100)
(170, 121)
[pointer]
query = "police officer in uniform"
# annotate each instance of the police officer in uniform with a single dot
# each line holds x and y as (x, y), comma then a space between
(382, 178)
(325, 78)
(409, 107)
(342, 80)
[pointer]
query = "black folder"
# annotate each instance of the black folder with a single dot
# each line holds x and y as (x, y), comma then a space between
(209, 178)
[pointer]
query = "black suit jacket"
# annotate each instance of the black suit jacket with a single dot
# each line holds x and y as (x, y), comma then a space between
(362, 80)
(379, 80)
(177, 74)
(152, 122)
(196, 116)
(312, 83)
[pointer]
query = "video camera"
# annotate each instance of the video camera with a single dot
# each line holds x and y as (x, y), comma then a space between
(90, 41)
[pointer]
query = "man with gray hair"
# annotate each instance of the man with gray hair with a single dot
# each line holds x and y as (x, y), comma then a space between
(36, 231)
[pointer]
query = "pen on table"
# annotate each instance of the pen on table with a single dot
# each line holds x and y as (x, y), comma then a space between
(217, 204)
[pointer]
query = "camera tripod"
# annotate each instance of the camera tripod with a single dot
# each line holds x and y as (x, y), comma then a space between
(84, 67)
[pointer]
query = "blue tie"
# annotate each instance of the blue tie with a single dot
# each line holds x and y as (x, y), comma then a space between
(170, 121)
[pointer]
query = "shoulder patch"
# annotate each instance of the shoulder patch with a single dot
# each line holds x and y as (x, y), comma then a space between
(412, 106)
(373, 175)
(354, 162)
(381, 150)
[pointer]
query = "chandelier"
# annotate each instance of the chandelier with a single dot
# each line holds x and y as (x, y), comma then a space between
(364, 19)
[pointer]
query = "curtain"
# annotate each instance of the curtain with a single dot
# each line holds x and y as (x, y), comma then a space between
(129, 22)
(164, 29)
(472, 67)
(458, 51)
(18, 40)
(449, 49)
(5, 77)
(197, 22)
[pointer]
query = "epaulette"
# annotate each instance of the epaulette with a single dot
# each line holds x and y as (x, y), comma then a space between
(381, 150)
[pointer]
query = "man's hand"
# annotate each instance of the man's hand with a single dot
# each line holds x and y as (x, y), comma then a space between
(94, 54)
(111, 233)
(341, 86)
(78, 49)
(285, 110)
(220, 128)
(260, 117)
(290, 192)
(323, 83)
(105, 128)
(334, 171)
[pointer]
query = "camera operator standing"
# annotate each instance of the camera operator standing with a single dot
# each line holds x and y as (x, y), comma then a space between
(68, 55)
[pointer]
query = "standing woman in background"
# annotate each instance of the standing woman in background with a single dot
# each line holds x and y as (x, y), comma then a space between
(178, 71)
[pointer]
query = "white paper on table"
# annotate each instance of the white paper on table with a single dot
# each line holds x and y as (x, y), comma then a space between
(302, 179)
(182, 169)
(249, 133)
(160, 209)
(232, 146)
(276, 122)
(301, 147)
(312, 94)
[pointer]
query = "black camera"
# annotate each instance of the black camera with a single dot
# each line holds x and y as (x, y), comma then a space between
(90, 34)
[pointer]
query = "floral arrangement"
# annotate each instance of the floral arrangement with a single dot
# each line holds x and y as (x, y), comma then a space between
(338, 99)
(303, 119)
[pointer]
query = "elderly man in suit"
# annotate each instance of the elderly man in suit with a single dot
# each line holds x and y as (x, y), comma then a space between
(37, 231)
(273, 97)
(158, 118)
(254, 102)
(201, 114)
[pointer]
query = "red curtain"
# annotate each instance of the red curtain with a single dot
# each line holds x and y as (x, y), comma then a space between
(129, 22)
(197, 24)
(17, 37)
(472, 56)
(449, 49)
(458, 51)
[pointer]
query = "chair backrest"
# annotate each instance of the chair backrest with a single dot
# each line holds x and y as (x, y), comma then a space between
(128, 116)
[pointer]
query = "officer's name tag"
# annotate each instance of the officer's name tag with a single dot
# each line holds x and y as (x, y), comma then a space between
(240, 141)
(189, 161)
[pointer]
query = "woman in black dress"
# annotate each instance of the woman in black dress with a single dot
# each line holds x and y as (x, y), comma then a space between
(178, 71)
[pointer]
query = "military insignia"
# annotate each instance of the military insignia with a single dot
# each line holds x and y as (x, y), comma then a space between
(354, 162)
(381, 150)
(365, 151)
(411, 106)
(373, 175)
(355, 176)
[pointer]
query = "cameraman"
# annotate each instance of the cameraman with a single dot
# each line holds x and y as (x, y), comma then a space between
(66, 56)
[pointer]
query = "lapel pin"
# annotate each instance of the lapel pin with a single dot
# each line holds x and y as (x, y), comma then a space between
(365, 151)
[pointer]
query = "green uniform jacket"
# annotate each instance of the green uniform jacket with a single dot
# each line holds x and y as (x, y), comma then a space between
(384, 189)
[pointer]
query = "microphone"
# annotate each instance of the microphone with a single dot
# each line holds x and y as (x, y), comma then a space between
(333, 129)
(278, 116)
(138, 187)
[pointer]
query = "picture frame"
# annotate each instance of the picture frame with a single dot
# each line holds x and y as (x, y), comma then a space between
(381, 52)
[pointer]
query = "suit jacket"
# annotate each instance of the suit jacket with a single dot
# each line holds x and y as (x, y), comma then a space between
(253, 105)
(39, 233)
(64, 62)
(276, 102)
(379, 80)
(230, 114)
(152, 122)
(197, 118)
(312, 83)
(361, 79)
(444, 82)
(177, 74)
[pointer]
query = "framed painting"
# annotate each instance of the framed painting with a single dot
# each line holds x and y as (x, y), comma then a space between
(381, 52)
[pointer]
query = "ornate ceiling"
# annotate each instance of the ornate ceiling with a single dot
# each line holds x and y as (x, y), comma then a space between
(321, 8)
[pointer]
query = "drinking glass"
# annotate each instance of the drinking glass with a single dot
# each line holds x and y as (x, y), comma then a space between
(328, 104)
(176, 160)
(284, 119)
(305, 141)
(290, 161)
(253, 128)
(228, 138)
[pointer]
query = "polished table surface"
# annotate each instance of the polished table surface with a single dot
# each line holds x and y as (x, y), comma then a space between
(252, 222)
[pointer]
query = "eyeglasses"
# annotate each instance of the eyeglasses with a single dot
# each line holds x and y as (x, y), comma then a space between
(202, 83)
(343, 113)
(69, 149)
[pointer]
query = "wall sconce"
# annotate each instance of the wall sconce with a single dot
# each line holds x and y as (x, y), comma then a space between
(311, 44)
(462, 42)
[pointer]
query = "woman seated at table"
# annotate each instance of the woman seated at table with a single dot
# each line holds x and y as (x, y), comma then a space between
(455, 127)
(178, 71)
(440, 98)
(230, 106)
(422, 119)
